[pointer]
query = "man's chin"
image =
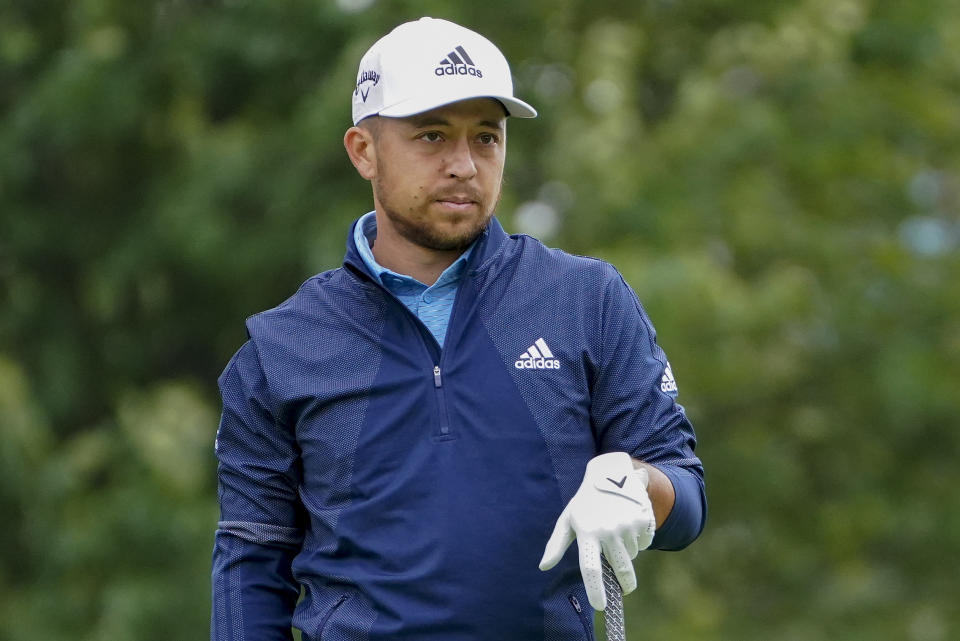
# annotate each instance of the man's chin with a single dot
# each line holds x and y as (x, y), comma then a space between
(449, 243)
(439, 229)
(448, 240)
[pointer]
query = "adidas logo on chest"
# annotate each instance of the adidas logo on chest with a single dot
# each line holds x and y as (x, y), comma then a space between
(537, 356)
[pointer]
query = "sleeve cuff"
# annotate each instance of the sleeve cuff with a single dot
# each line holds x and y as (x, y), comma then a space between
(689, 513)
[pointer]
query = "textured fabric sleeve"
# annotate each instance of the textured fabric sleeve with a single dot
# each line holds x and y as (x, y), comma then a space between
(635, 410)
(260, 527)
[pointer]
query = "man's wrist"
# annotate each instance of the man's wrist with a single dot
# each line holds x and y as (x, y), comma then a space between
(660, 489)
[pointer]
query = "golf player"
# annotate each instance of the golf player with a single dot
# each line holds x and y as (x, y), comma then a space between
(411, 442)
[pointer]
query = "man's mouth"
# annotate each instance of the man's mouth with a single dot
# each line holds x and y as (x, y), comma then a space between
(457, 203)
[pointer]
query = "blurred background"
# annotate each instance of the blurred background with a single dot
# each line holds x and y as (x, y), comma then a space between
(779, 182)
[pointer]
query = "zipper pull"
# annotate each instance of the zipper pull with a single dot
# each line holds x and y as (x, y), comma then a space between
(575, 602)
(436, 376)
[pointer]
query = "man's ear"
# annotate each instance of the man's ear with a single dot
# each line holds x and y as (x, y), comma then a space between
(358, 141)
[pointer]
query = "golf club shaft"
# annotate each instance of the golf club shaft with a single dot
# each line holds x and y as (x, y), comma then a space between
(613, 614)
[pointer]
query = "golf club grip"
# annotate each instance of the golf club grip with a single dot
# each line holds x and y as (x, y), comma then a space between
(613, 614)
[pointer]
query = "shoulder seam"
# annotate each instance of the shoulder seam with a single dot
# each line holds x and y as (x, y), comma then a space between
(272, 396)
(320, 279)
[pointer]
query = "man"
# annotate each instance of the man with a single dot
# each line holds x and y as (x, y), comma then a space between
(411, 442)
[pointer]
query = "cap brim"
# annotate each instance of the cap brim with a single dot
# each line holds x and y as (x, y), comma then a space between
(413, 106)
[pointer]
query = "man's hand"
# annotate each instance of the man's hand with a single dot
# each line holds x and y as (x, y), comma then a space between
(611, 512)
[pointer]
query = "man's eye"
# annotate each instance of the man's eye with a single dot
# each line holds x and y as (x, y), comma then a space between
(431, 136)
(488, 139)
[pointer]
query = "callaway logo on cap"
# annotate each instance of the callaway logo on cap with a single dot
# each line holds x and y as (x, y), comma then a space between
(428, 63)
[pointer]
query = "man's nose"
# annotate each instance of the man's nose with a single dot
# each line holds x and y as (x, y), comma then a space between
(460, 161)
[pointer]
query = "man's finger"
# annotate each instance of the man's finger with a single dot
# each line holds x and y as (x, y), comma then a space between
(643, 476)
(616, 553)
(632, 546)
(645, 537)
(592, 572)
(558, 543)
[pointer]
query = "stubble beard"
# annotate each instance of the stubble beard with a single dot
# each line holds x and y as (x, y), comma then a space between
(419, 228)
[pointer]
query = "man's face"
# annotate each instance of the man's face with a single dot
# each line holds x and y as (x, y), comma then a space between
(438, 174)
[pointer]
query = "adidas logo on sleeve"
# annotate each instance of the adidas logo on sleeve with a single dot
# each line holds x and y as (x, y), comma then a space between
(668, 384)
(537, 356)
(458, 63)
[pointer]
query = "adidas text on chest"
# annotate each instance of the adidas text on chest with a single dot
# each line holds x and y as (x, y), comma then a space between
(537, 356)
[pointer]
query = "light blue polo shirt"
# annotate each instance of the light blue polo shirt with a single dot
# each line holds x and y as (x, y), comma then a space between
(432, 305)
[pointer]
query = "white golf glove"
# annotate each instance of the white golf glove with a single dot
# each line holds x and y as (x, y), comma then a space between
(610, 512)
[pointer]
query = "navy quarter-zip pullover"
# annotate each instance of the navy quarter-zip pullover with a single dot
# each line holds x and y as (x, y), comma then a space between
(407, 489)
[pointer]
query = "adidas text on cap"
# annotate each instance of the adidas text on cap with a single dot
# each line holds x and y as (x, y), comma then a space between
(429, 63)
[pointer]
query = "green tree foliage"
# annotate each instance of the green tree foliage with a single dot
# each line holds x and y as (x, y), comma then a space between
(780, 182)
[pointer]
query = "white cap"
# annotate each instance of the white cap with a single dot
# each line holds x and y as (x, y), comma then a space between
(428, 63)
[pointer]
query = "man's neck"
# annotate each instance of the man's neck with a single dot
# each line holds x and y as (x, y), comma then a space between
(404, 257)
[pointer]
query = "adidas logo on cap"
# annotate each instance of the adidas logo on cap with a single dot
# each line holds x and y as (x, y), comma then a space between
(458, 63)
(537, 356)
